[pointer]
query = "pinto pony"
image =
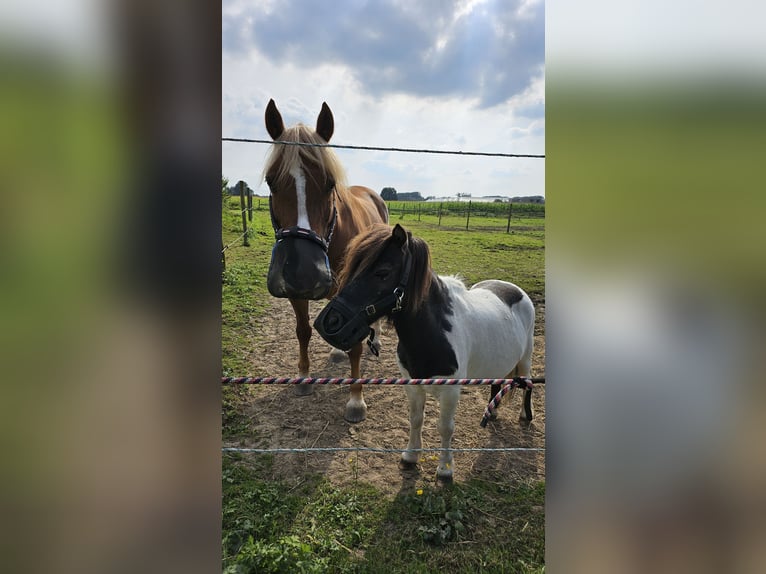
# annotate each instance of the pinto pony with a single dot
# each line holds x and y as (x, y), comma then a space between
(445, 329)
(314, 215)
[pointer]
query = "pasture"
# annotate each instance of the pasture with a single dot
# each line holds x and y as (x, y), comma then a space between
(356, 511)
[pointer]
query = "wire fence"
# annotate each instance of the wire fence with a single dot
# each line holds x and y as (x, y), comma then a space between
(394, 149)
(333, 449)
(442, 211)
(508, 384)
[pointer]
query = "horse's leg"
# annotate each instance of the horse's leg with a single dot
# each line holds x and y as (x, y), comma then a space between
(303, 331)
(356, 408)
(416, 397)
(448, 400)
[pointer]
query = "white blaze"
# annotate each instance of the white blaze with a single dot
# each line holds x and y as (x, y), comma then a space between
(300, 191)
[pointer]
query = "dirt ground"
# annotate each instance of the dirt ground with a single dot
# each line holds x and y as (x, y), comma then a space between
(279, 419)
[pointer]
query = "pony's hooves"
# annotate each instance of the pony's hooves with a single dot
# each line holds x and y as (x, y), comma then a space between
(337, 356)
(303, 390)
(407, 465)
(525, 422)
(355, 413)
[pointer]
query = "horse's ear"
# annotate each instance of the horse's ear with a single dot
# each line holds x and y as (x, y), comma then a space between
(325, 123)
(274, 124)
(399, 234)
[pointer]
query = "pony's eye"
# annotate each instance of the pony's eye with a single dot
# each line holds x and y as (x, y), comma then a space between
(330, 185)
(269, 181)
(382, 273)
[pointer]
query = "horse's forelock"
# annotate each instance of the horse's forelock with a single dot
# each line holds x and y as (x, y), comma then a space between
(362, 252)
(284, 157)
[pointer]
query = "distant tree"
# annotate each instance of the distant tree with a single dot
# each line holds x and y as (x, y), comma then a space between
(388, 194)
(409, 196)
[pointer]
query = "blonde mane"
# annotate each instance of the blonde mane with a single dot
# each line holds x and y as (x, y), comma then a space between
(285, 157)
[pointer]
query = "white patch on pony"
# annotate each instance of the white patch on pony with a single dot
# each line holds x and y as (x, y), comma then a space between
(490, 340)
(300, 192)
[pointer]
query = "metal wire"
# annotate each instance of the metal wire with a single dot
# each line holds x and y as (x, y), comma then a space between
(374, 450)
(397, 149)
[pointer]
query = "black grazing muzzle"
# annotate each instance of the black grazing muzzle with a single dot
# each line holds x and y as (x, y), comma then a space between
(343, 325)
(300, 267)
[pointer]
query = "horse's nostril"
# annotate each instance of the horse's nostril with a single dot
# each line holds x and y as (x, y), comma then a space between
(333, 321)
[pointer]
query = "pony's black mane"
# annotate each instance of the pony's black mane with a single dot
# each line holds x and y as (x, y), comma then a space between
(365, 250)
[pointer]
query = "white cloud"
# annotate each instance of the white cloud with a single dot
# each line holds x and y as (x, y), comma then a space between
(482, 94)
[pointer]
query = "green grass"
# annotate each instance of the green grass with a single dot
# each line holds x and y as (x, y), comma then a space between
(270, 527)
(491, 524)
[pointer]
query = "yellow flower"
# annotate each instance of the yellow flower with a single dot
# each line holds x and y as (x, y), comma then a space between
(419, 492)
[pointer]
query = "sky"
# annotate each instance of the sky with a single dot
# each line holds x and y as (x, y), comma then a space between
(462, 75)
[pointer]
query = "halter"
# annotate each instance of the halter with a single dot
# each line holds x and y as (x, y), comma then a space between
(301, 232)
(356, 324)
(392, 303)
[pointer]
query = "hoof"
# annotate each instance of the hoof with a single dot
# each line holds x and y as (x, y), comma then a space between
(303, 390)
(337, 356)
(407, 465)
(524, 422)
(355, 413)
(444, 478)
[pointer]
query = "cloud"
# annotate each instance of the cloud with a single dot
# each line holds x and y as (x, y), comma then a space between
(485, 51)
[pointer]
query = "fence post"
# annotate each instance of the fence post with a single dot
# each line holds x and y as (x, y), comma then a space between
(242, 187)
(468, 217)
(418, 212)
(249, 206)
(510, 207)
(440, 214)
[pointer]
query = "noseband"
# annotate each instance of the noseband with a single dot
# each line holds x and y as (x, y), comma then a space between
(356, 322)
(301, 232)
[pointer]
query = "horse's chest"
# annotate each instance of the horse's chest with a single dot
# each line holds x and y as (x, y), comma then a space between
(427, 356)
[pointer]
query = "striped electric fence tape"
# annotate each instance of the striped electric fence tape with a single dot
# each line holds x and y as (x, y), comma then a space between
(495, 401)
(372, 381)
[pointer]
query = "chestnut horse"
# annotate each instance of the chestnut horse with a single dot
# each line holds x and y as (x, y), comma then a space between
(315, 215)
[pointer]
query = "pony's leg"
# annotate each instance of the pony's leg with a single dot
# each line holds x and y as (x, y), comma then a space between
(494, 389)
(524, 369)
(416, 397)
(303, 331)
(376, 344)
(356, 408)
(447, 406)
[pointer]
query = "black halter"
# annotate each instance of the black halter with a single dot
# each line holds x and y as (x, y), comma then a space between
(356, 321)
(302, 233)
(392, 303)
